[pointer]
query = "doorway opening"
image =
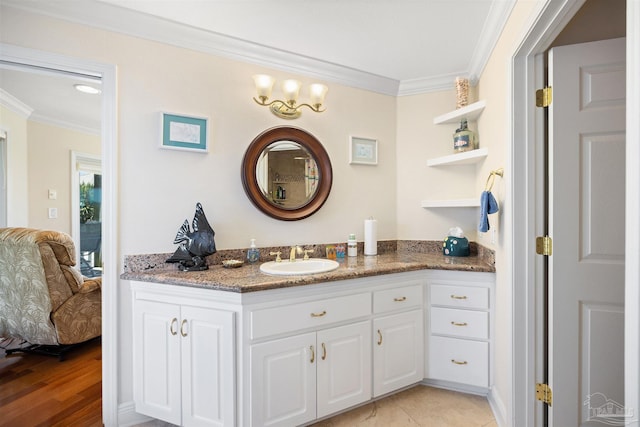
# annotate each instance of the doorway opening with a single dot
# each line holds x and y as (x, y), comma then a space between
(86, 207)
(14, 56)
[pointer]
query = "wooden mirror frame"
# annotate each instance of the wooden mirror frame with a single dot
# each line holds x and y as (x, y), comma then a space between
(309, 143)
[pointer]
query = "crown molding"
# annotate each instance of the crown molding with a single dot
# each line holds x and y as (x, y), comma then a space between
(493, 26)
(137, 24)
(14, 104)
(40, 118)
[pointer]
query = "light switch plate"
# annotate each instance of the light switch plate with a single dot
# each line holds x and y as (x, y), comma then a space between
(53, 194)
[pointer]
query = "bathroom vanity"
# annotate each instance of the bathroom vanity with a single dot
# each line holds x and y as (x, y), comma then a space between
(235, 347)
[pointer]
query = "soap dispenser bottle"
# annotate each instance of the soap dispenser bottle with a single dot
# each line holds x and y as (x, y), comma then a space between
(253, 254)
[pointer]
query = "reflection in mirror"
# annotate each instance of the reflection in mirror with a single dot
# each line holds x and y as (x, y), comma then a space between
(286, 173)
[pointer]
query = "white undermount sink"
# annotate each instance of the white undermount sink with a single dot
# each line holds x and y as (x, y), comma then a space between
(299, 266)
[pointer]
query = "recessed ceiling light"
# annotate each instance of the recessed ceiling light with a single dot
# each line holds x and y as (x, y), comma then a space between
(88, 89)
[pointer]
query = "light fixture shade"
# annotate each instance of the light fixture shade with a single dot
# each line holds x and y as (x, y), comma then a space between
(291, 89)
(264, 85)
(318, 92)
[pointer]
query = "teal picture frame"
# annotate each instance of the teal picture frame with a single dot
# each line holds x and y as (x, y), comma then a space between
(187, 133)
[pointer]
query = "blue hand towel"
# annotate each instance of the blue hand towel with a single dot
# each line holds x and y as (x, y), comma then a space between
(488, 205)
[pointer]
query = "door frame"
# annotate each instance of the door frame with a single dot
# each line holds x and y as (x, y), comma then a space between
(524, 220)
(107, 73)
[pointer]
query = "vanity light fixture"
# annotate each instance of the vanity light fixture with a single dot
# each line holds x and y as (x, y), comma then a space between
(87, 89)
(288, 109)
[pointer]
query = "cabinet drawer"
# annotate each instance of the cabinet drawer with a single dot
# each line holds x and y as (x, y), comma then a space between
(277, 320)
(460, 296)
(397, 298)
(461, 323)
(461, 361)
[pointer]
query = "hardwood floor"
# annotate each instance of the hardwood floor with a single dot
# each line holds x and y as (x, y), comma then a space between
(38, 390)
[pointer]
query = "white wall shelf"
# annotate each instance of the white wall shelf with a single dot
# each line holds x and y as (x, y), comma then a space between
(470, 112)
(468, 157)
(452, 203)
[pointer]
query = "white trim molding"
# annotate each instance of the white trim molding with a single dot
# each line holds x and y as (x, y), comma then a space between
(14, 104)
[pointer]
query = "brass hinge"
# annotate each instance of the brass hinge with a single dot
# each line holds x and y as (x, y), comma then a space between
(543, 97)
(543, 393)
(544, 245)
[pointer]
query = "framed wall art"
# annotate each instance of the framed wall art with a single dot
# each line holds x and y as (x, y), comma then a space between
(363, 151)
(185, 132)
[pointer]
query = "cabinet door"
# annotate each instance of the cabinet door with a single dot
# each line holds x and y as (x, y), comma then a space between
(344, 367)
(156, 360)
(283, 381)
(208, 392)
(398, 351)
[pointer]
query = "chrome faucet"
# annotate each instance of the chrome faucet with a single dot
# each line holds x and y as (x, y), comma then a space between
(294, 250)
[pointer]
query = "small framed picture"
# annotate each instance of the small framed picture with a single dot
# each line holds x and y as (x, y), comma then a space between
(363, 151)
(185, 132)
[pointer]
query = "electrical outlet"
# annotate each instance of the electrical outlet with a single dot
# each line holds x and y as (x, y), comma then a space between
(53, 213)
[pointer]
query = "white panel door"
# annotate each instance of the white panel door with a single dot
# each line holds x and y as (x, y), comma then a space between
(283, 381)
(344, 367)
(156, 360)
(398, 351)
(208, 392)
(586, 222)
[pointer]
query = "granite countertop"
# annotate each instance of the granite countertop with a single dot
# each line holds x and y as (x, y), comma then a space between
(249, 278)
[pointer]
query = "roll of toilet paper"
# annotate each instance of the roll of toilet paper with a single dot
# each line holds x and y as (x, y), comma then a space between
(371, 236)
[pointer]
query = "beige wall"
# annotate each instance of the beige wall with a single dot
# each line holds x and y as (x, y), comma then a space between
(18, 206)
(50, 167)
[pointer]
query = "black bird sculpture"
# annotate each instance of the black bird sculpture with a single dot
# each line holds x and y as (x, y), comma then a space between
(195, 245)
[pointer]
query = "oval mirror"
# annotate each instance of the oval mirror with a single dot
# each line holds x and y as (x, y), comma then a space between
(286, 173)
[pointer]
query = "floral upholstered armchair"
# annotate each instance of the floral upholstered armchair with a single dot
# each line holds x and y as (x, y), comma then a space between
(44, 300)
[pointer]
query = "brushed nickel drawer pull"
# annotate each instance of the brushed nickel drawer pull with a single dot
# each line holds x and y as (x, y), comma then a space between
(324, 352)
(313, 354)
(459, 324)
(453, 296)
(319, 314)
(379, 337)
(457, 362)
(182, 332)
(174, 322)
(400, 299)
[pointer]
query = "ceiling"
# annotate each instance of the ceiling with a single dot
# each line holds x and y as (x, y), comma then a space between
(393, 47)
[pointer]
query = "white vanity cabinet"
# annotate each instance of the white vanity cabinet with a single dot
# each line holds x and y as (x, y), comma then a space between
(299, 378)
(183, 357)
(398, 341)
(290, 356)
(460, 325)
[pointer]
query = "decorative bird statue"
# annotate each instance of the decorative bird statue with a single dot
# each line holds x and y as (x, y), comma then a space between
(195, 245)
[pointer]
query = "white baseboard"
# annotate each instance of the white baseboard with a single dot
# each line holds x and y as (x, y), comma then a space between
(127, 415)
(498, 408)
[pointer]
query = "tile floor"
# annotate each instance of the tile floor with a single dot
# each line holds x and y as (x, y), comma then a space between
(419, 406)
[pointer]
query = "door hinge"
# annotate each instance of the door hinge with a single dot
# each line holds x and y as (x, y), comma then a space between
(543, 393)
(544, 245)
(544, 97)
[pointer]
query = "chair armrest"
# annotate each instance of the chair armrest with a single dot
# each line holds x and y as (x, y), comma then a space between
(90, 285)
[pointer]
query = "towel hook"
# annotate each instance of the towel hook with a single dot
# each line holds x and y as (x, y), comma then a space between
(492, 177)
